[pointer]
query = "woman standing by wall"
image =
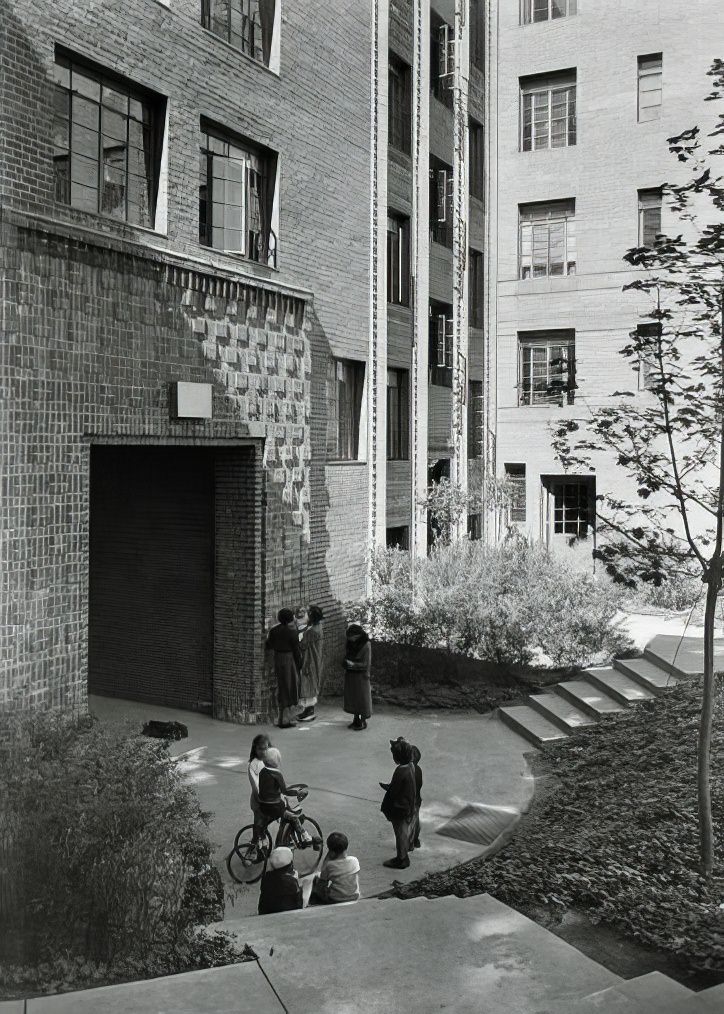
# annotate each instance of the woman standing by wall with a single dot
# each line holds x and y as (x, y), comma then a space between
(357, 690)
(283, 640)
(312, 647)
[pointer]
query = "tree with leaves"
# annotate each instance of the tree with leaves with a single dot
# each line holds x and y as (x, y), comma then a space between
(670, 441)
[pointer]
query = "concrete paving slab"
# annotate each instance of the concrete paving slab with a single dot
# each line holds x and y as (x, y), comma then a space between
(647, 673)
(618, 685)
(531, 724)
(467, 758)
(588, 698)
(687, 654)
(12, 1007)
(461, 955)
(561, 711)
(229, 990)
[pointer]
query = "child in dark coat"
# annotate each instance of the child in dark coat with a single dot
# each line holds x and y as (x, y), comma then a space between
(280, 888)
(415, 827)
(398, 804)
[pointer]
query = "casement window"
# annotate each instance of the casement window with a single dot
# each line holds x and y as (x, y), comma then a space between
(441, 202)
(236, 197)
(399, 124)
(515, 477)
(441, 344)
(475, 288)
(545, 10)
(247, 25)
(548, 111)
(107, 141)
(649, 217)
(650, 87)
(398, 415)
(547, 367)
(573, 507)
(398, 260)
(475, 419)
(547, 239)
(477, 35)
(345, 386)
(442, 59)
(475, 160)
(647, 366)
(398, 537)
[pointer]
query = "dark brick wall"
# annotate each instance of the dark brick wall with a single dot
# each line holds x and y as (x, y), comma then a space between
(98, 318)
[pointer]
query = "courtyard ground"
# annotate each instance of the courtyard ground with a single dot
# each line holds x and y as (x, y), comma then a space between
(466, 759)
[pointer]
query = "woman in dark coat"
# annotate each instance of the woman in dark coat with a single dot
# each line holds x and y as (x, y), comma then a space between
(357, 663)
(283, 640)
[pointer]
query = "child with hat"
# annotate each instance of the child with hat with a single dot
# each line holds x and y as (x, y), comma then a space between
(280, 888)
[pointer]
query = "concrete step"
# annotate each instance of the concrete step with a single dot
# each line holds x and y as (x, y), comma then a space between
(709, 1001)
(531, 724)
(657, 992)
(646, 673)
(244, 925)
(590, 699)
(607, 1001)
(560, 711)
(618, 685)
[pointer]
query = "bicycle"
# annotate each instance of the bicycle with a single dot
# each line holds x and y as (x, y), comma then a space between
(247, 861)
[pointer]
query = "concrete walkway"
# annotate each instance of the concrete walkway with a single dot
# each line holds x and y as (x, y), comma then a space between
(466, 759)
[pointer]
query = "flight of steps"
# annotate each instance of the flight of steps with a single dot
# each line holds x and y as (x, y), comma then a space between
(653, 993)
(596, 692)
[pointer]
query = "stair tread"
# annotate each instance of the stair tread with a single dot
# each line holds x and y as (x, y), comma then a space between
(621, 683)
(564, 709)
(648, 670)
(592, 696)
(655, 986)
(534, 722)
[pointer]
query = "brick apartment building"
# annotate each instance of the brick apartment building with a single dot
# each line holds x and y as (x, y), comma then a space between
(583, 96)
(185, 299)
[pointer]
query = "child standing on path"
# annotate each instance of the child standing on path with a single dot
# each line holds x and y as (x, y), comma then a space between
(415, 827)
(398, 804)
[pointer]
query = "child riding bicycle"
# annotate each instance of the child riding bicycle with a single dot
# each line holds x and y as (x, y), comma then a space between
(274, 796)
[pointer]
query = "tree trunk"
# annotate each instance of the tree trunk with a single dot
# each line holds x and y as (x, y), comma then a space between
(706, 834)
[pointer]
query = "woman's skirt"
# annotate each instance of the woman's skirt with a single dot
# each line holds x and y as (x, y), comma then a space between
(287, 676)
(357, 694)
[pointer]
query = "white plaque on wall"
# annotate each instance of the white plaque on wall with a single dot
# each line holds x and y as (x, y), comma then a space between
(191, 401)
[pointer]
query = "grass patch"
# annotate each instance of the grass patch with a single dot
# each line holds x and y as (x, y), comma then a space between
(618, 839)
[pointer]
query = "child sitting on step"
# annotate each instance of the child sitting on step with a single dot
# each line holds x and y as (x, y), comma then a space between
(338, 880)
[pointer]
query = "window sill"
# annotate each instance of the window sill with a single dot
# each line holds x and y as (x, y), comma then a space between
(398, 461)
(238, 52)
(86, 220)
(238, 258)
(343, 461)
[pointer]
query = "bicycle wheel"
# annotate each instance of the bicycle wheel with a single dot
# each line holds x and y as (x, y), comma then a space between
(306, 857)
(248, 858)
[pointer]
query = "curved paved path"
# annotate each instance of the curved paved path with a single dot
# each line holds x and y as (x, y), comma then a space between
(467, 758)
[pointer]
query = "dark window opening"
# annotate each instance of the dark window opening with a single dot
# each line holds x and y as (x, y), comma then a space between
(107, 142)
(237, 180)
(247, 25)
(648, 368)
(476, 141)
(650, 217)
(345, 385)
(441, 344)
(475, 288)
(477, 35)
(399, 119)
(398, 537)
(475, 527)
(441, 202)
(398, 415)
(398, 260)
(475, 419)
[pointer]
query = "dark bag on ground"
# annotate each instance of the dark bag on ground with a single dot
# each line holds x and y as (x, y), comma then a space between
(165, 730)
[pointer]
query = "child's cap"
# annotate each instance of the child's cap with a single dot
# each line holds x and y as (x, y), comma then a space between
(280, 858)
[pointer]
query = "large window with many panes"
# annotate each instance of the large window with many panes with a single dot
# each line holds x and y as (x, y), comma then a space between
(572, 507)
(548, 111)
(399, 123)
(547, 239)
(546, 10)
(650, 87)
(247, 25)
(345, 386)
(107, 140)
(398, 259)
(547, 367)
(398, 415)
(237, 180)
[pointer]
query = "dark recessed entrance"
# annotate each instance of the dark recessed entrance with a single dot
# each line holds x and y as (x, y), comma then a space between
(151, 622)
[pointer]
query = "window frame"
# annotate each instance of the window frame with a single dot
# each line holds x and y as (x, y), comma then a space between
(152, 121)
(399, 113)
(262, 250)
(476, 159)
(528, 10)
(563, 505)
(557, 393)
(643, 75)
(441, 344)
(336, 440)
(475, 413)
(515, 476)
(441, 202)
(543, 215)
(398, 259)
(442, 59)
(651, 329)
(260, 53)
(550, 85)
(649, 199)
(476, 290)
(398, 415)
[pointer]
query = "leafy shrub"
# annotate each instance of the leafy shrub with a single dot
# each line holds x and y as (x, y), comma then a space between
(511, 603)
(104, 851)
(618, 840)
